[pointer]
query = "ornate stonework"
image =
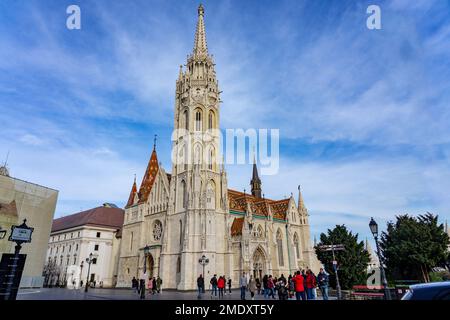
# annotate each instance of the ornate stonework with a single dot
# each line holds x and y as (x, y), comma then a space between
(195, 211)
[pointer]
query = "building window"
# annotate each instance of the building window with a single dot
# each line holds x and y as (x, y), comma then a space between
(57, 249)
(183, 194)
(178, 265)
(75, 259)
(210, 159)
(280, 248)
(94, 261)
(51, 251)
(96, 247)
(186, 120)
(70, 247)
(76, 247)
(131, 241)
(198, 120)
(63, 248)
(181, 232)
(210, 120)
(78, 234)
(98, 234)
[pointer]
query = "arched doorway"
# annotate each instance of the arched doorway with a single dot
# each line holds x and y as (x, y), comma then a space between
(150, 265)
(259, 264)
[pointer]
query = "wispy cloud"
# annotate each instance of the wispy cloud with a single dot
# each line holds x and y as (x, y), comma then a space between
(363, 115)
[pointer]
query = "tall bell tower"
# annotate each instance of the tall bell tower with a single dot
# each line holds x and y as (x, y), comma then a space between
(197, 215)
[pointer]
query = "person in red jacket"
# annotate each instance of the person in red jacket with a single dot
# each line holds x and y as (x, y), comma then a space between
(221, 286)
(311, 284)
(299, 287)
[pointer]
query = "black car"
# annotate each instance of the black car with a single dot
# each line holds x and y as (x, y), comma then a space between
(429, 291)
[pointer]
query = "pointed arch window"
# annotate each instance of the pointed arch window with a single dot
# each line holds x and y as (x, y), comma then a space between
(280, 248)
(297, 245)
(183, 194)
(211, 120)
(198, 120)
(181, 232)
(186, 119)
(211, 159)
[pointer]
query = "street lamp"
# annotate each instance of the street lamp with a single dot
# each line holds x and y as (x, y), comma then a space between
(89, 261)
(374, 229)
(81, 273)
(203, 261)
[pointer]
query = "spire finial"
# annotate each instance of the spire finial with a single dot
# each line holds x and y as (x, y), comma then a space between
(200, 47)
(154, 142)
(201, 10)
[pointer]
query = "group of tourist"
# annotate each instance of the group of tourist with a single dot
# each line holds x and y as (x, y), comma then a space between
(153, 286)
(302, 285)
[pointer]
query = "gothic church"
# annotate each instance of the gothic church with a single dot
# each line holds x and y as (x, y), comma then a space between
(190, 212)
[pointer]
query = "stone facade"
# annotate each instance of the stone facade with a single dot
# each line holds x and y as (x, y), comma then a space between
(21, 200)
(191, 212)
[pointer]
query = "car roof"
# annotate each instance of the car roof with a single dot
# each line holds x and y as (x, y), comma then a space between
(433, 285)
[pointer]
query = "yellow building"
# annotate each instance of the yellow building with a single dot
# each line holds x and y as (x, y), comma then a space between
(21, 200)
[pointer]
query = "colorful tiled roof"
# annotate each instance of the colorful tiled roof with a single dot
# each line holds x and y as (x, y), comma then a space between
(236, 227)
(132, 194)
(100, 216)
(279, 208)
(260, 206)
(149, 178)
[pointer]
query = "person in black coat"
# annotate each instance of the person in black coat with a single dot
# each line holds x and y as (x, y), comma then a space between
(200, 286)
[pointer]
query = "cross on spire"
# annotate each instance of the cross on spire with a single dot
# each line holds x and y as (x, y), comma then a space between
(154, 142)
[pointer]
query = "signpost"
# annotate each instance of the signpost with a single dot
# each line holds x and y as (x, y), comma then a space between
(333, 248)
(12, 264)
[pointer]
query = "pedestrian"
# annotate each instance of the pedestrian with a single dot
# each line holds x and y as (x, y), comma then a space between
(213, 283)
(252, 287)
(200, 286)
(243, 285)
(134, 285)
(154, 285)
(271, 287)
(159, 284)
(282, 289)
(150, 286)
(265, 286)
(221, 286)
(258, 286)
(291, 286)
(142, 288)
(299, 287)
(322, 279)
(229, 286)
(310, 284)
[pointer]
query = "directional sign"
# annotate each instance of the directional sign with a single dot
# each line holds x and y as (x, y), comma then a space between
(336, 247)
(21, 234)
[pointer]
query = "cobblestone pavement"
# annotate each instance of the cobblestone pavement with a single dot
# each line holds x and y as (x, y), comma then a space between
(119, 294)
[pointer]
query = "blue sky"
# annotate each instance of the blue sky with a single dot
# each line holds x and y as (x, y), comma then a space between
(364, 115)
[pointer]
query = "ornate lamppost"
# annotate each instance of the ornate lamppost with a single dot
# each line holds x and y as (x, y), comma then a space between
(374, 229)
(89, 261)
(203, 261)
(81, 272)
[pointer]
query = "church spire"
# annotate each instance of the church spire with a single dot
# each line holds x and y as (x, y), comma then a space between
(255, 182)
(132, 194)
(200, 47)
(301, 204)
